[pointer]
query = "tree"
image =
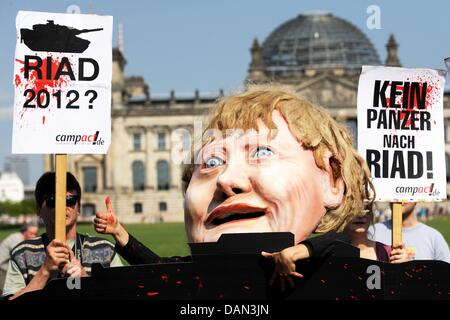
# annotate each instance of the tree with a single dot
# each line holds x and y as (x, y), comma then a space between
(26, 206)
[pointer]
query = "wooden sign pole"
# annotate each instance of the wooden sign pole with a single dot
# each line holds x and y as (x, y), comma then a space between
(60, 197)
(397, 223)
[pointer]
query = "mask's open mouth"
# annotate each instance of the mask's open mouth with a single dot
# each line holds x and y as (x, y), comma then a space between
(236, 216)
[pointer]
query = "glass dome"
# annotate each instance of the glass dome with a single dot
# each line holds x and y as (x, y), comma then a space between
(316, 41)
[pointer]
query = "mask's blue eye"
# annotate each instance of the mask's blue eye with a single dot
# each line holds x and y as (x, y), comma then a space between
(213, 162)
(262, 152)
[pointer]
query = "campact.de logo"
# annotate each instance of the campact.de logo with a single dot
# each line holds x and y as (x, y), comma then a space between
(411, 191)
(80, 139)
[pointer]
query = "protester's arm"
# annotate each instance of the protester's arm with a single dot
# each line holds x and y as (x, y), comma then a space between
(319, 246)
(398, 254)
(137, 253)
(322, 245)
(57, 255)
(74, 268)
(107, 223)
(37, 283)
(127, 246)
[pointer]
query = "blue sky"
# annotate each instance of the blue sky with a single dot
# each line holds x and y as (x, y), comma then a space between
(204, 44)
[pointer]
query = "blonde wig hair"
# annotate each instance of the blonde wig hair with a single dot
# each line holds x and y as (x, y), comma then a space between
(314, 128)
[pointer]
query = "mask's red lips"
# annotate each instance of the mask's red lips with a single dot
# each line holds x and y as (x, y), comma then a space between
(233, 212)
(360, 221)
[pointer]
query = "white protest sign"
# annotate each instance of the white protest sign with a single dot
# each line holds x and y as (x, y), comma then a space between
(401, 132)
(62, 80)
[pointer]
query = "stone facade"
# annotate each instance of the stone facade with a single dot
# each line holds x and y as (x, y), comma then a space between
(142, 129)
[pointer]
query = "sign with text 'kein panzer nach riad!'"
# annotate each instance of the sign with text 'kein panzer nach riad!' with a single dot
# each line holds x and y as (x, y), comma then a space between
(62, 80)
(401, 132)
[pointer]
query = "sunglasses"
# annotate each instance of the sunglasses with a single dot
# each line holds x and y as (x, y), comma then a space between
(71, 201)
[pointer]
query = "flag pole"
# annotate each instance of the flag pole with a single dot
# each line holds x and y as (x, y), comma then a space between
(396, 223)
(60, 197)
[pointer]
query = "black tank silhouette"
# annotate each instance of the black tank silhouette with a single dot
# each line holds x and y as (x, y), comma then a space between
(54, 37)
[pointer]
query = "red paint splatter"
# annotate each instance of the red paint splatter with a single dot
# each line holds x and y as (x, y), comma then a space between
(178, 282)
(248, 287)
(165, 278)
(140, 286)
(431, 97)
(408, 275)
(111, 219)
(199, 282)
(323, 281)
(152, 294)
(17, 80)
(108, 202)
(43, 119)
(36, 84)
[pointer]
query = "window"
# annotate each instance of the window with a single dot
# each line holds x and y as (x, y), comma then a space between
(161, 141)
(138, 176)
(138, 208)
(446, 132)
(162, 206)
(136, 142)
(447, 166)
(162, 173)
(186, 139)
(88, 210)
(90, 179)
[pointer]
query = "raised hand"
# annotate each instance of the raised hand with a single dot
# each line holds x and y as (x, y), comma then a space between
(73, 268)
(57, 255)
(285, 264)
(398, 254)
(106, 222)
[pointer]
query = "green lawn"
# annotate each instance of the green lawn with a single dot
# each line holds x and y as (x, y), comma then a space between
(169, 239)
(443, 226)
(166, 239)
